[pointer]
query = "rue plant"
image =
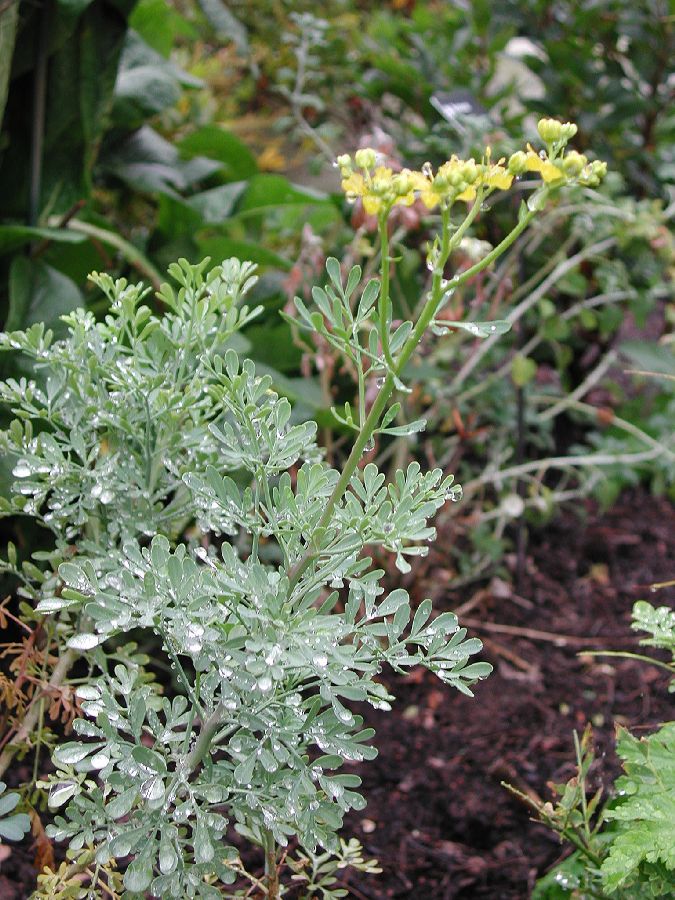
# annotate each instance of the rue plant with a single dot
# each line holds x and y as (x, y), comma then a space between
(193, 513)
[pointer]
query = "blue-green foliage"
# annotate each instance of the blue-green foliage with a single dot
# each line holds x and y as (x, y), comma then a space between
(183, 500)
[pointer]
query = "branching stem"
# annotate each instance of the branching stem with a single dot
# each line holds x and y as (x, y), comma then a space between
(439, 289)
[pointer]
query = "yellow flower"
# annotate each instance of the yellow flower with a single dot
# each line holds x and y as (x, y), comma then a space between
(543, 165)
(405, 185)
(495, 177)
(453, 177)
(381, 190)
(354, 185)
(428, 194)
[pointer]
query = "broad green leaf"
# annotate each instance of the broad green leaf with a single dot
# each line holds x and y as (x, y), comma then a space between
(149, 163)
(222, 145)
(8, 30)
(275, 190)
(39, 293)
(222, 247)
(14, 236)
(159, 23)
(215, 205)
(85, 43)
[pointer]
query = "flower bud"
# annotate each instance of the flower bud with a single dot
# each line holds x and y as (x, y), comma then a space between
(381, 185)
(569, 129)
(550, 130)
(366, 158)
(593, 173)
(573, 163)
(518, 163)
(470, 171)
(599, 168)
(344, 161)
(403, 184)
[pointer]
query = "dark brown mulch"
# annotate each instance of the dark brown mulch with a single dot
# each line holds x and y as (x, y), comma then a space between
(437, 818)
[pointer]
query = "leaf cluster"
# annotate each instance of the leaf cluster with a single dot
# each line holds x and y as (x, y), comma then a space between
(132, 431)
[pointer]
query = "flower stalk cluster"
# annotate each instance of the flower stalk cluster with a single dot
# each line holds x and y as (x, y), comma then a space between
(380, 188)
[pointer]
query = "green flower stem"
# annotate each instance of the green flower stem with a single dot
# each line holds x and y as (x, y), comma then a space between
(448, 244)
(384, 300)
(582, 793)
(495, 253)
(565, 831)
(438, 288)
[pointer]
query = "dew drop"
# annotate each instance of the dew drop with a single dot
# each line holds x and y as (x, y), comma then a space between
(194, 637)
(273, 655)
(84, 641)
(100, 760)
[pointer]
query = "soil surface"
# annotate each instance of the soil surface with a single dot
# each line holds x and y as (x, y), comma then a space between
(437, 818)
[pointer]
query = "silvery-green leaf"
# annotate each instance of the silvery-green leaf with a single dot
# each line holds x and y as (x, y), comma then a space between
(138, 875)
(60, 793)
(15, 827)
(86, 641)
(73, 752)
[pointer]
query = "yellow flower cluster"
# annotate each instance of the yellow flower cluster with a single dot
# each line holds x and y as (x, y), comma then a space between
(379, 187)
(458, 179)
